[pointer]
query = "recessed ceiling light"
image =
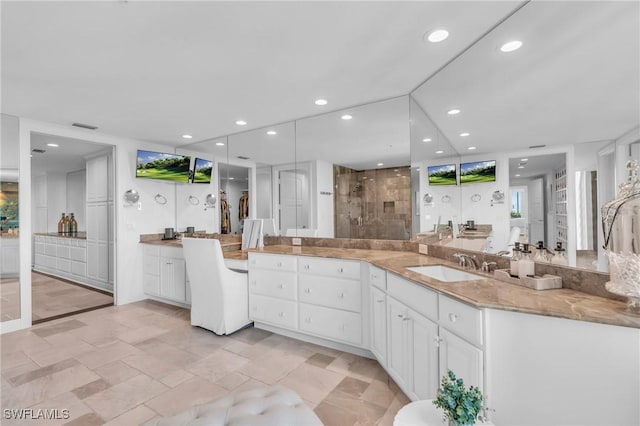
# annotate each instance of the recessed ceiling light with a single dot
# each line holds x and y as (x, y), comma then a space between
(517, 175)
(346, 117)
(380, 164)
(510, 46)
(524, 159)
(272, 132)
(187, 136)
(364, 177)
(241, 123)
(465, 134)
(321, 102)
(220, 143)
(395, 170)
(398, 175)
(521, 167)
(439, 151)
(426, 140)
(55, 145)
(437, 36)
(471, 148)
(231, 178)
(453, 111)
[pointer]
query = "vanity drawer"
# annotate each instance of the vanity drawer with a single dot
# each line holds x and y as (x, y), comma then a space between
(276, 262)
(82, 243)
(378, 277)
(79, 268)
(63, 252)
(330, 267)
(63, 265)
(273, 311)
(149, 250)
(273, 283)
(461, 319)
(417, 297)
(331, 323)
(79, 254)
(331, 292)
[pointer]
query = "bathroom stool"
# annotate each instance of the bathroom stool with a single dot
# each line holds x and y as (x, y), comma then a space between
(266, 406)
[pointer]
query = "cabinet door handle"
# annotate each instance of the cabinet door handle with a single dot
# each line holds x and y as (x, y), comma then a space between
(279, 264)
(453, 317)
(308, 320)
(307, 290)
(281, 286)
(437, 340)
(307, 267)
(340, 270)
(406, 319)
(344, 327)
(281, 314)
(380, 300)
(373, 276)
(341, 295)
(400, 316)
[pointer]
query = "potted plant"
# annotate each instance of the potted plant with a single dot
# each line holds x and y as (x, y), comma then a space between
(461, 406)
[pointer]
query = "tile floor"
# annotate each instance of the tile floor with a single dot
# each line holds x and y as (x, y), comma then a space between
(51, 297)
(124, 365)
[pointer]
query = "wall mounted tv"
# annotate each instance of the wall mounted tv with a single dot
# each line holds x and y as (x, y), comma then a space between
(477, 172)
(163, 166)
(202, 171)
(442, 175)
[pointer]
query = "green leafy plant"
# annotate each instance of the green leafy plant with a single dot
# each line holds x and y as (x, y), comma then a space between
(460, 405)
(515, 214)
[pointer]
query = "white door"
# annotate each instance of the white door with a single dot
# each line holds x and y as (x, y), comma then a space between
(290, 199)
(464, 359)
(425, 356)
(399, 344)
(536, 211)
(379, 325)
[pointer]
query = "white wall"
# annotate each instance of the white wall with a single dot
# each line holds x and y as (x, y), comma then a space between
(56, 199)
(446, 210)
(322, 191)
(77, 197)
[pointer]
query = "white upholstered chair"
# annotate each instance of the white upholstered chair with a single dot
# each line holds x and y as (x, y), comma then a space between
(219, 296)
(301, 232)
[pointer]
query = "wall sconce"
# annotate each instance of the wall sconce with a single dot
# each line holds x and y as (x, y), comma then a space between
(497, 197)
(428, 198)
(132, 197)
(209, 201)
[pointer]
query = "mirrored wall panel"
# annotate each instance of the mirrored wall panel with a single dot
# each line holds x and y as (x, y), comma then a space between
(358, 159)
(530, 113)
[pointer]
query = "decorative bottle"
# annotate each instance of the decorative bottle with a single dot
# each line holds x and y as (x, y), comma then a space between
(621, 226)
(61, 225)
(526, 266)
(541, 253)
(73, 225)
(65, 225)
(513, 263)
(560, 257)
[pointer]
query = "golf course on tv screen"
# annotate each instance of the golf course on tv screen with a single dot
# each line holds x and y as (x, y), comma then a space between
(442, 175)
(159, 165)
(477, 172)
(202, 171)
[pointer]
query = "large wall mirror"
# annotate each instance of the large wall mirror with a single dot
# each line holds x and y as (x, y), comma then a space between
(549, 114)
(358, 159)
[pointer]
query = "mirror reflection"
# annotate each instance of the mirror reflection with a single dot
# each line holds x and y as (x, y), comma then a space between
(358, 160)
(549, 100)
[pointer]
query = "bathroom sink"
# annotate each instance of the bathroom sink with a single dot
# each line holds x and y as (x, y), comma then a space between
(444, 273)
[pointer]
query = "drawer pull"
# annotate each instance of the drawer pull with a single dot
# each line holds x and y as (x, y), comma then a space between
(307, 267)
(400, 316)
(437, 340)
(279, 265)
(281, 314)
(281, 286)
(373, 276)
(344, 327)
(406, 319)
(307, 290)
(308, 320)
(380, 300)
(341, 295)
(453, 317)
(340, 270)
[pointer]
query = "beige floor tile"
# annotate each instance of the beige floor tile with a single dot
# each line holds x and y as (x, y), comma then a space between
(25, 373)
(167, 352)
(65, 401)
(366, 413)
(331, 415)
(250, 335)
(59, 327)
(217, 365)
(61, 352)
(23, 340)
(273, 367)
(101, 334)
(48, 386)
(320, 360)
(135, 416)
(353, 386)
(13, 359)
(140, 334)
(379, 393)
(151, 366)
(116, 372)
(192, 392)
(19, 370)
(92, 388)
(176, 377)
(232, 380)
(89, 419)
(107, 354)
(312, 383)
(124, 396)
(389, 415)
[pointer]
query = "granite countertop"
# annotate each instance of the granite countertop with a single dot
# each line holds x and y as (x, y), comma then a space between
(489, 293)
(77, 235)
(230, 249)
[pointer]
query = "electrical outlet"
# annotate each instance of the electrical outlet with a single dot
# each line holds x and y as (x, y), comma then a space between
(296, 241)
(423, 249)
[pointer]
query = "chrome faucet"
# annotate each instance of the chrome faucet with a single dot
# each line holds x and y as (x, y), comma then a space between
(488, 266)
(466, 261)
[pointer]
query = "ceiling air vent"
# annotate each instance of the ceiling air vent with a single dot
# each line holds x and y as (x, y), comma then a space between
(242, 157)
(537, 146)
(85, 126)
(38, 150)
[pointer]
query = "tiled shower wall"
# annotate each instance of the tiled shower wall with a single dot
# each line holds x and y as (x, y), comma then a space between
(373, 203)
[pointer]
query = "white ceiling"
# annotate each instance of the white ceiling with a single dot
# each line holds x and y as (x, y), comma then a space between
(576, 79)
(535, 166)
(69, 156)
(156, 70)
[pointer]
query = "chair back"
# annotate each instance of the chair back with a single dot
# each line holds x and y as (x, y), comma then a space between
(205, 267)
(301, 232)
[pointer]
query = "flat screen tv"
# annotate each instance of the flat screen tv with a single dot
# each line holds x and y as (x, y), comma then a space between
(478, 172)
(442, 175)
(202, 171)
(163, 166)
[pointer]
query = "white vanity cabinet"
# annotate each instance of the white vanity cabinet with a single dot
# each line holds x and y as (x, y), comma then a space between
(379, 325)
(330, 295)
(273, 289)
(64, 257)
(164, 273)
(10, 255)
(428, 333)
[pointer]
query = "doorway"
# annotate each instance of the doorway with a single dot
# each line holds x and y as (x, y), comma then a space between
(72, 223)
